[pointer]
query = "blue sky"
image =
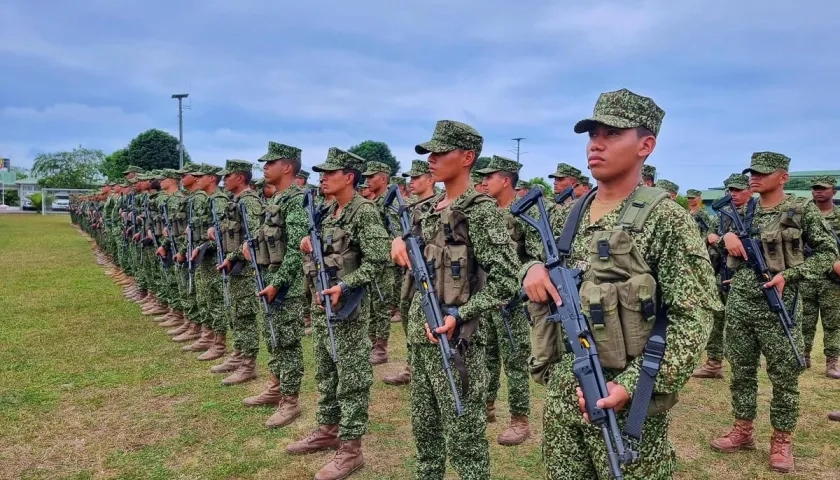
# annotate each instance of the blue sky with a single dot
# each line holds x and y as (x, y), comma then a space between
(733, 77)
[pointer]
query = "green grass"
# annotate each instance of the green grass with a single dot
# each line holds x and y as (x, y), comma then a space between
(91, 389)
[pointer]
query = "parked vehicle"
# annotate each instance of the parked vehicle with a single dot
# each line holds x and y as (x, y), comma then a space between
(61, 202)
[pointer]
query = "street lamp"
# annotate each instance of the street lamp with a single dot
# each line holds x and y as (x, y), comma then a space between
(180, 97)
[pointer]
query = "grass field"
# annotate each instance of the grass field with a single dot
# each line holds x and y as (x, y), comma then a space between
(90, 388)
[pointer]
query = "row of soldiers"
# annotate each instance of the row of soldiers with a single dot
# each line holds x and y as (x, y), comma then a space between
(646, 285)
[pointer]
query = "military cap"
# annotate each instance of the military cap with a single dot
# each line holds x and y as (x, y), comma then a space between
(450, 135)
(668, 185)
(476, 177)
(338, 159)
(132, 181)
(583, 179)
(522, 184)
(189, 168)
(373, 168)
(132, 169)
(418, 167)
(363, 185)
(767, 162)
(693, 193)
(826, 181)
(648, 171)
(260, 182)
(279, 151)
(303, 174)
(565, 170)
(143, 177)
(623, 109)
(500, 164)
(738, 181)
(236, 166)
(170, 173)
(398, 181)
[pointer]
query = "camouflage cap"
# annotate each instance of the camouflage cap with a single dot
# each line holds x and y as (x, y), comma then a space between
(303, 174)
(476, 177)
(170, 173)
(522, 184)
(157, 174)
(693, 193)
(279, 151)
(737, 181)
(500, 164)
(189, 168)
(668, 186)
(649, 171)
(373, 168)
(132, 169)
(583, 179)
(338, 159)
(132, 181)
(260, 182)
(826, 181)
(398, 181)
(623, 109)
(565, 170)
(236, 166)
(450, 135)
(418, 167)
(144, 177)
(363, 185)
(207, 169)
(767, 162)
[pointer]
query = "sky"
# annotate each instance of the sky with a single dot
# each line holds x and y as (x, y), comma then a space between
(732, 77)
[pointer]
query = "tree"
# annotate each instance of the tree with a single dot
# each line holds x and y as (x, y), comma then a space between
(374, 151)
(481, 162)
(153, 149)
(11, 197)
(798, 184)
(114, 165)
(20, 173)
(682, 201)
(539, 181)
(77, 169)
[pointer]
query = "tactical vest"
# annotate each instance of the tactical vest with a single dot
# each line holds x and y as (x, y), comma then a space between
(272, 240)
(781, 240)
(179, 222)
(157, 218)
(233, 232)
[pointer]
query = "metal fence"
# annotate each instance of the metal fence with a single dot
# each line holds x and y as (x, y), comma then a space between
(58, 200)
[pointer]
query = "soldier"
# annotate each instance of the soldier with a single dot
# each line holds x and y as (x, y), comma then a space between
(672, 188)
(522, 188)
(821, 295)
(154, 304)
(582, 186)
(752, 329)
(364, 190)
(354, 238)
(302, 179)
(501, 174)
(400, 182)
(564, 177)
(284, 227)
(464, 224)
(242, 363)
(190, 330)
(648, 175)
(266, 190)
(699, 212)
(654, 248)
(478, 182)
(169, 197)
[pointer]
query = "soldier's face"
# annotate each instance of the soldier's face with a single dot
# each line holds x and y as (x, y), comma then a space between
(494, 184)
(562, 183)
(822, 194)
(335, 181)
(187, 180)
(299, 181)
(695, 202)
(740, 196)
(268, 190)
(580, 190)
(613, 152)
(272, 171)
(420, 184)
(448, 166)
(763, 183)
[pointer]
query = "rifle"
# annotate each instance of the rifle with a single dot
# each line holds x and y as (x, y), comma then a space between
(423, 283)
(324, 276)
(147, 228)
(755, 258)
(190, 264)
(587, 365)
(164, 212)
(506, 313)
(725, 271)
(220, 254)
(701, 223)
(250, 242)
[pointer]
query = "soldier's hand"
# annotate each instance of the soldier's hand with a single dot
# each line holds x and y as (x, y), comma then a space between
(194, 254)
(247, 252)
(136, 237)
(334, 293)
(269, 292)
(447, 329)
(211, 233)
(306, 245)
(537, 285)
(777, 281)
(160, 252)
(616, 399)
(399, 254)
(734, 246)
(165, 232)
(180, 258)
(224, 267)
(713, 239)
(836, 267)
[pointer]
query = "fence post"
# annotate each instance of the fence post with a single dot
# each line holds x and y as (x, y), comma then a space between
(44, 201)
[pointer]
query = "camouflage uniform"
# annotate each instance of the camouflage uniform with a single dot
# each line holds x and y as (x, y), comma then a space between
(668, 243)
(701, 216)
(438, 432)
(169, 287)
(189, 304)
(208, 280)
(668, 186)
(649, 173)
(565, 170)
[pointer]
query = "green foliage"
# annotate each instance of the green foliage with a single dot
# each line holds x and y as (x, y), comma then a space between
(76, 169)
(20, 173)
(374, 151)
(539, 181)
(798, 184)
(152, 149)
(11, 197)
(114, 165)
(481, 162)
(36, 200)
(682, 201)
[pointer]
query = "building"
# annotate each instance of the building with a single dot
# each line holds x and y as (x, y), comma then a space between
(26, 187)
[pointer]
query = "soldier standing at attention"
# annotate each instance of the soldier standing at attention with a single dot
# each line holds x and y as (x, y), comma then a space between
(648, 175)
(302, 178)
(355, 239)
(279, 255)
(501, 176)
(169, 196)
(752, 329)
(699, 212)
(522, 188)
(582, 186)
(653, 246)
(564, 177)
(477, 181)
(672, 188)
(190, 329)
(461, 224)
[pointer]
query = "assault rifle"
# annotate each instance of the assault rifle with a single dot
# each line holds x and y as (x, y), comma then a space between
(251, 244)
(587, 364)
(428, 299)
(149, 228)
(755, 259)
(220, 254)
(190, 263)
(173, 250)
(507, 310)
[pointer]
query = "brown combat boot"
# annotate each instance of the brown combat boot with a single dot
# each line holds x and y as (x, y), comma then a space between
(287, 411)
(832, 370)
(807, 360)
(171, 320)
(396, 316)
(193, 333)
(204, 342)
(346, 460)
(781, 452)
(402, 378)
(379, 352)
(155, 309)
(710, 369)
(229, 365)
(834, 416)
(324, 437)
(270, 396)
(247, 371)
(491, 412)
(217, 350)
(741, 437)
(180, 328)
(165, 316)
(517, 432)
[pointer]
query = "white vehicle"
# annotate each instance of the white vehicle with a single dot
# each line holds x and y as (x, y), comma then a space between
(61, 202)
(26, 204)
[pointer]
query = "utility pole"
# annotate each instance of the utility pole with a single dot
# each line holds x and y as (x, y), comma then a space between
(517, 152)
(180, 97)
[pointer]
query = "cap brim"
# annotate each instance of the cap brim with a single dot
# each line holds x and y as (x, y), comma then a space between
(554, 175)
(762, 169)
(432, 147)
(822, 184)
(325, 167)
(487, 171)
(222, 173)
(608, 120)
(739, 187)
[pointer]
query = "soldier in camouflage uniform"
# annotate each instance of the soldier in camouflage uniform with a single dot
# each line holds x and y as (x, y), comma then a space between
(190, 330)
(522, 188)
(400, 182)
(672, 188)
(699, 212)
(752, 329)
(355, 240)
(648, 175)
(478, 182)
(302, 179)
(501, 176)
(666, 254)
(564, 176)
(279, 255)
(154, 304)
(169, 196)
(458, 223)
(582, 186)
(821, 295)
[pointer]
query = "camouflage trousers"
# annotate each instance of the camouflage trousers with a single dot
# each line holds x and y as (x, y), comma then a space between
(574, 449)
(209, 297)
(438, 432)
(189, 306)
(169, 287)
(243, 312)
(286, 360)
(344, 386)
(753, 330)
(145, 268)
(714, 347)
(380, 312)
(514, 358)
(821, 300)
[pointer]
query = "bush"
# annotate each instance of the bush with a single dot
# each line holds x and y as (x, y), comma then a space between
(11, 198)
(36, 200)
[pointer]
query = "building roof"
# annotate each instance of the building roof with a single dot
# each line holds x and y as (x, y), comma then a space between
(714, 194)
(814, 173)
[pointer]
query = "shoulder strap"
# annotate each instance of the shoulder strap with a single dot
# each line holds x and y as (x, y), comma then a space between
(639, 206)
(748, 218)
(564, 244)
